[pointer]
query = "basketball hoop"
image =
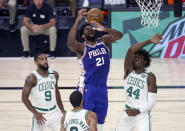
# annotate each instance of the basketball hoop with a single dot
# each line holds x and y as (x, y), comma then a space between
(150, 12)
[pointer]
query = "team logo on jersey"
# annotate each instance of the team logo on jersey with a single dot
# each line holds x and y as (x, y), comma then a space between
(143, 76)
(52, 76)
(173, 42)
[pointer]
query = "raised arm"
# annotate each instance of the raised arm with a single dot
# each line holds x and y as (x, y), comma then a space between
(112, 36)
(91, 119)
(58, 97)
(129, 59)
(72, 43)
(29, 83)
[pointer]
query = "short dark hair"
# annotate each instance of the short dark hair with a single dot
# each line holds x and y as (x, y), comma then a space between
(147, 56)
(75, 98)
(37, 55)
(81, 29)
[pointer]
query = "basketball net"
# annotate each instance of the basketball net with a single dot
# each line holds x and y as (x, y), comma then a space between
(150, 12)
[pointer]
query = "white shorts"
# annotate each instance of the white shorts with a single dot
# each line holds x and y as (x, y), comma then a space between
(53, 121)
(127, 123)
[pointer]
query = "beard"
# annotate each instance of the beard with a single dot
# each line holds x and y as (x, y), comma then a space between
(44, 68)
(91, 38)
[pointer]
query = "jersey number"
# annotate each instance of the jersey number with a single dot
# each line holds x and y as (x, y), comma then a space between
(100, 61)
(48, 95)
(73, 129)
(136, 92)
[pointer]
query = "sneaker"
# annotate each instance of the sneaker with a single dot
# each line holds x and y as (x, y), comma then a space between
(52, 54)
(25, 54)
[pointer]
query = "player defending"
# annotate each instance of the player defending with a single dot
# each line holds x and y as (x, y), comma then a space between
(95, 61)
(78, 119)
(42, 87)
(140, 88)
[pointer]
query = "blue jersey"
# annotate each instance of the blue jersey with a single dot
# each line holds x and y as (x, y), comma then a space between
(95, 65)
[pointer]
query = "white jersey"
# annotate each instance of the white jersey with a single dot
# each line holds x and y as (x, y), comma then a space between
(43, 94)
(136, 89)
(75, 121)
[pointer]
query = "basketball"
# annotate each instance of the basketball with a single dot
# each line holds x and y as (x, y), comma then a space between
(95, 14)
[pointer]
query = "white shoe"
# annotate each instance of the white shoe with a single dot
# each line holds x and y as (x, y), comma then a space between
(85, 3)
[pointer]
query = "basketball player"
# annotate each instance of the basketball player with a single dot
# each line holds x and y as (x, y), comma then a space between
(78, 119)
(94, 59)
(42, 88)
(140, 88)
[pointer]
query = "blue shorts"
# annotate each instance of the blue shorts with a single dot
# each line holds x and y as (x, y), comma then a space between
(96, 100)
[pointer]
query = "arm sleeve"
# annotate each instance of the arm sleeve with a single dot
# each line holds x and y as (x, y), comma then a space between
(50, 12)
(150, 104)
(28, 12)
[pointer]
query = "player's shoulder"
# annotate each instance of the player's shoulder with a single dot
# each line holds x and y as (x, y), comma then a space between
(31, 79)
(151, 76)
(56, 74)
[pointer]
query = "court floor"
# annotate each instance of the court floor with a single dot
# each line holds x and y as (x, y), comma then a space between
(168, 113)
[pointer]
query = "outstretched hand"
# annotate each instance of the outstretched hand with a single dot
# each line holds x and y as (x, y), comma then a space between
(156, 39)
(98, 26)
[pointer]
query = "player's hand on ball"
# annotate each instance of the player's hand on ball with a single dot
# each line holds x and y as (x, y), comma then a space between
(81, 13)
(97, 26)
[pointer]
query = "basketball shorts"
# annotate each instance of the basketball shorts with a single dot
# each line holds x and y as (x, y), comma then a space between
(53, 121)
(96, 100)
(127, 123)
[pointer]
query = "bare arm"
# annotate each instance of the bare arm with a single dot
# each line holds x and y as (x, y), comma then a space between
(112, 36)
(62, 124)
(128, 64)
(52, 22)
(72, 43)
(26, 22)
(29, 83)
(152, 86)
(58, 97)
(91, 119)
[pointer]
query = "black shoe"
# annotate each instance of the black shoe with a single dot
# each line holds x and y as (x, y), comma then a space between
(25, 54)
(52, 54)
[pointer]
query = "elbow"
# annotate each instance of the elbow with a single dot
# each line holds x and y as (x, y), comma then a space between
(120, 35)
(131, 50)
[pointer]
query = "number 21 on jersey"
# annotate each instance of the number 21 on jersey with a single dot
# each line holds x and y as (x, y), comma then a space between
(100, 61)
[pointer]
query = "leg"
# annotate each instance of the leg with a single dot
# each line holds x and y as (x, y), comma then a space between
(101, 105)
(35, 126)
(12, 4)
(144, 124)
(54, 120)
(124, 124)
(52, 32)
(25, 32)
(88, 97)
